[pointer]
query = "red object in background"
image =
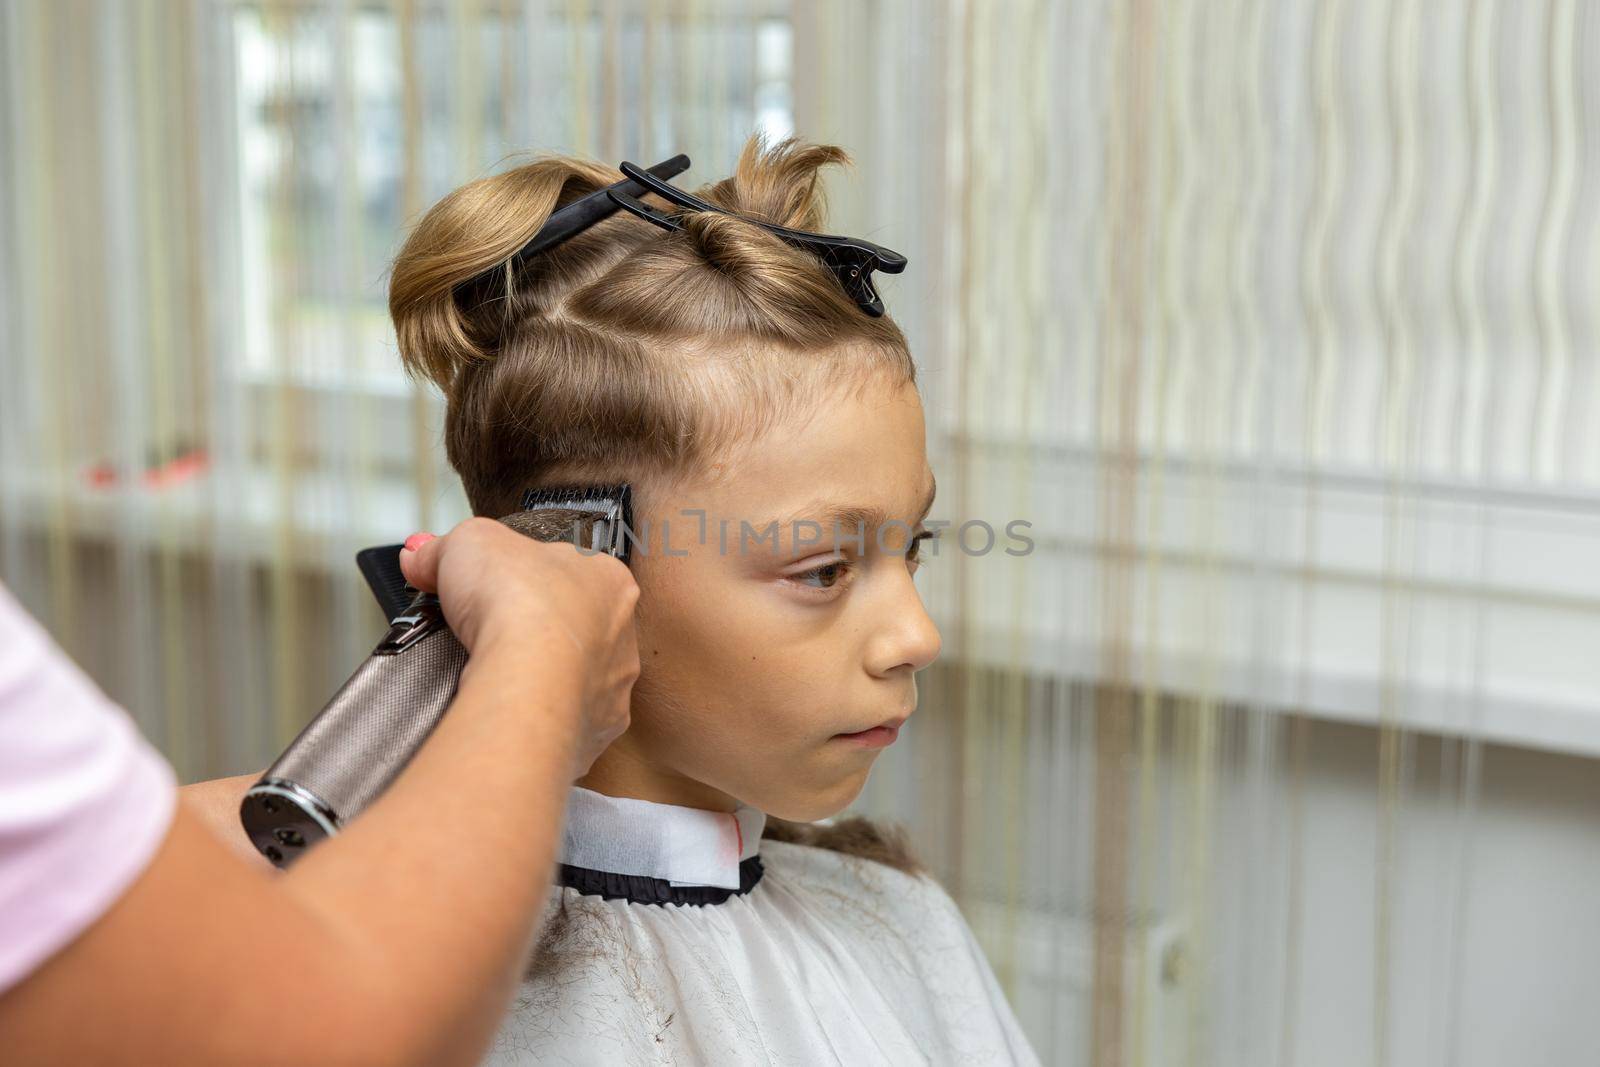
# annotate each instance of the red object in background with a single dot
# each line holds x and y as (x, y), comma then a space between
(180, 468)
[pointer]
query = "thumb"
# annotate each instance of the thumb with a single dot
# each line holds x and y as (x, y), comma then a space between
(419, 561)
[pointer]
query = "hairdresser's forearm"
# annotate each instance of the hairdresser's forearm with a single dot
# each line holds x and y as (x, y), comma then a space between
(445, 875)
(395, 944)
(216, 804)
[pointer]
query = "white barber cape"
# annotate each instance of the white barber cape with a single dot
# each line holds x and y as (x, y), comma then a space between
(681, 937)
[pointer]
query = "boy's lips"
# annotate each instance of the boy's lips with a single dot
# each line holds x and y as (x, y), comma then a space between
(875, 736)
(888, 724)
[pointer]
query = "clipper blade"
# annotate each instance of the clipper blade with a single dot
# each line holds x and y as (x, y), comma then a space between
(595, 517)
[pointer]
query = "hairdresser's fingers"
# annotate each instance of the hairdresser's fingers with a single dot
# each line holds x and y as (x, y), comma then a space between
(419, 561)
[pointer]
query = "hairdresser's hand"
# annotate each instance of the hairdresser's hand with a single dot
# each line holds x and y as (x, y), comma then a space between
(506, 594)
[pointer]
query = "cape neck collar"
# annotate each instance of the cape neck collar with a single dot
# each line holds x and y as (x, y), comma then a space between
(680, 846)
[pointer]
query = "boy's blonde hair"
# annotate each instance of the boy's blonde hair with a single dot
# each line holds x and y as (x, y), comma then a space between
(627, 350)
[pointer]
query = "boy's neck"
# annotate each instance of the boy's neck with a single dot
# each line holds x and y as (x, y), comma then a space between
(623, 772)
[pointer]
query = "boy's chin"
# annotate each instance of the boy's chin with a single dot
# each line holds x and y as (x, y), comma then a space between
(822, 804)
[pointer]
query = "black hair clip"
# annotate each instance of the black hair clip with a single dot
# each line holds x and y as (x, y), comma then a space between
(851, 260)
(579, 215)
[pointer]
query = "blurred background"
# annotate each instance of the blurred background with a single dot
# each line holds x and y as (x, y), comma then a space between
(1278, 320)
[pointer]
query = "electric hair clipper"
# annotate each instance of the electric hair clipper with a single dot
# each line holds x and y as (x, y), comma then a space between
(369, 731)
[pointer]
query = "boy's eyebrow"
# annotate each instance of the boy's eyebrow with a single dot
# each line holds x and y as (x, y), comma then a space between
(852, 516)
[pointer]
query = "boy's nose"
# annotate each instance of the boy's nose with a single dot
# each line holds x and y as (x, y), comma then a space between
(908, 639)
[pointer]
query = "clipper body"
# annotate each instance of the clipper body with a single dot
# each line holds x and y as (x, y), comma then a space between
(376, 722)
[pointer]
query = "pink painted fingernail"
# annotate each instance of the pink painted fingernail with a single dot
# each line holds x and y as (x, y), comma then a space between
(417, 540)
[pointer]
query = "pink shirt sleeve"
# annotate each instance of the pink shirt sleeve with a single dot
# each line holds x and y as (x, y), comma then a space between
(85, 801)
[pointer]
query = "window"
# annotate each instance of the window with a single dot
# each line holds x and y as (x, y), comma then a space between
(323, 109)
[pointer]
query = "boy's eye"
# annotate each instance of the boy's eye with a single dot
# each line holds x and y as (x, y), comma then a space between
(832, 574)
(827, 576)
